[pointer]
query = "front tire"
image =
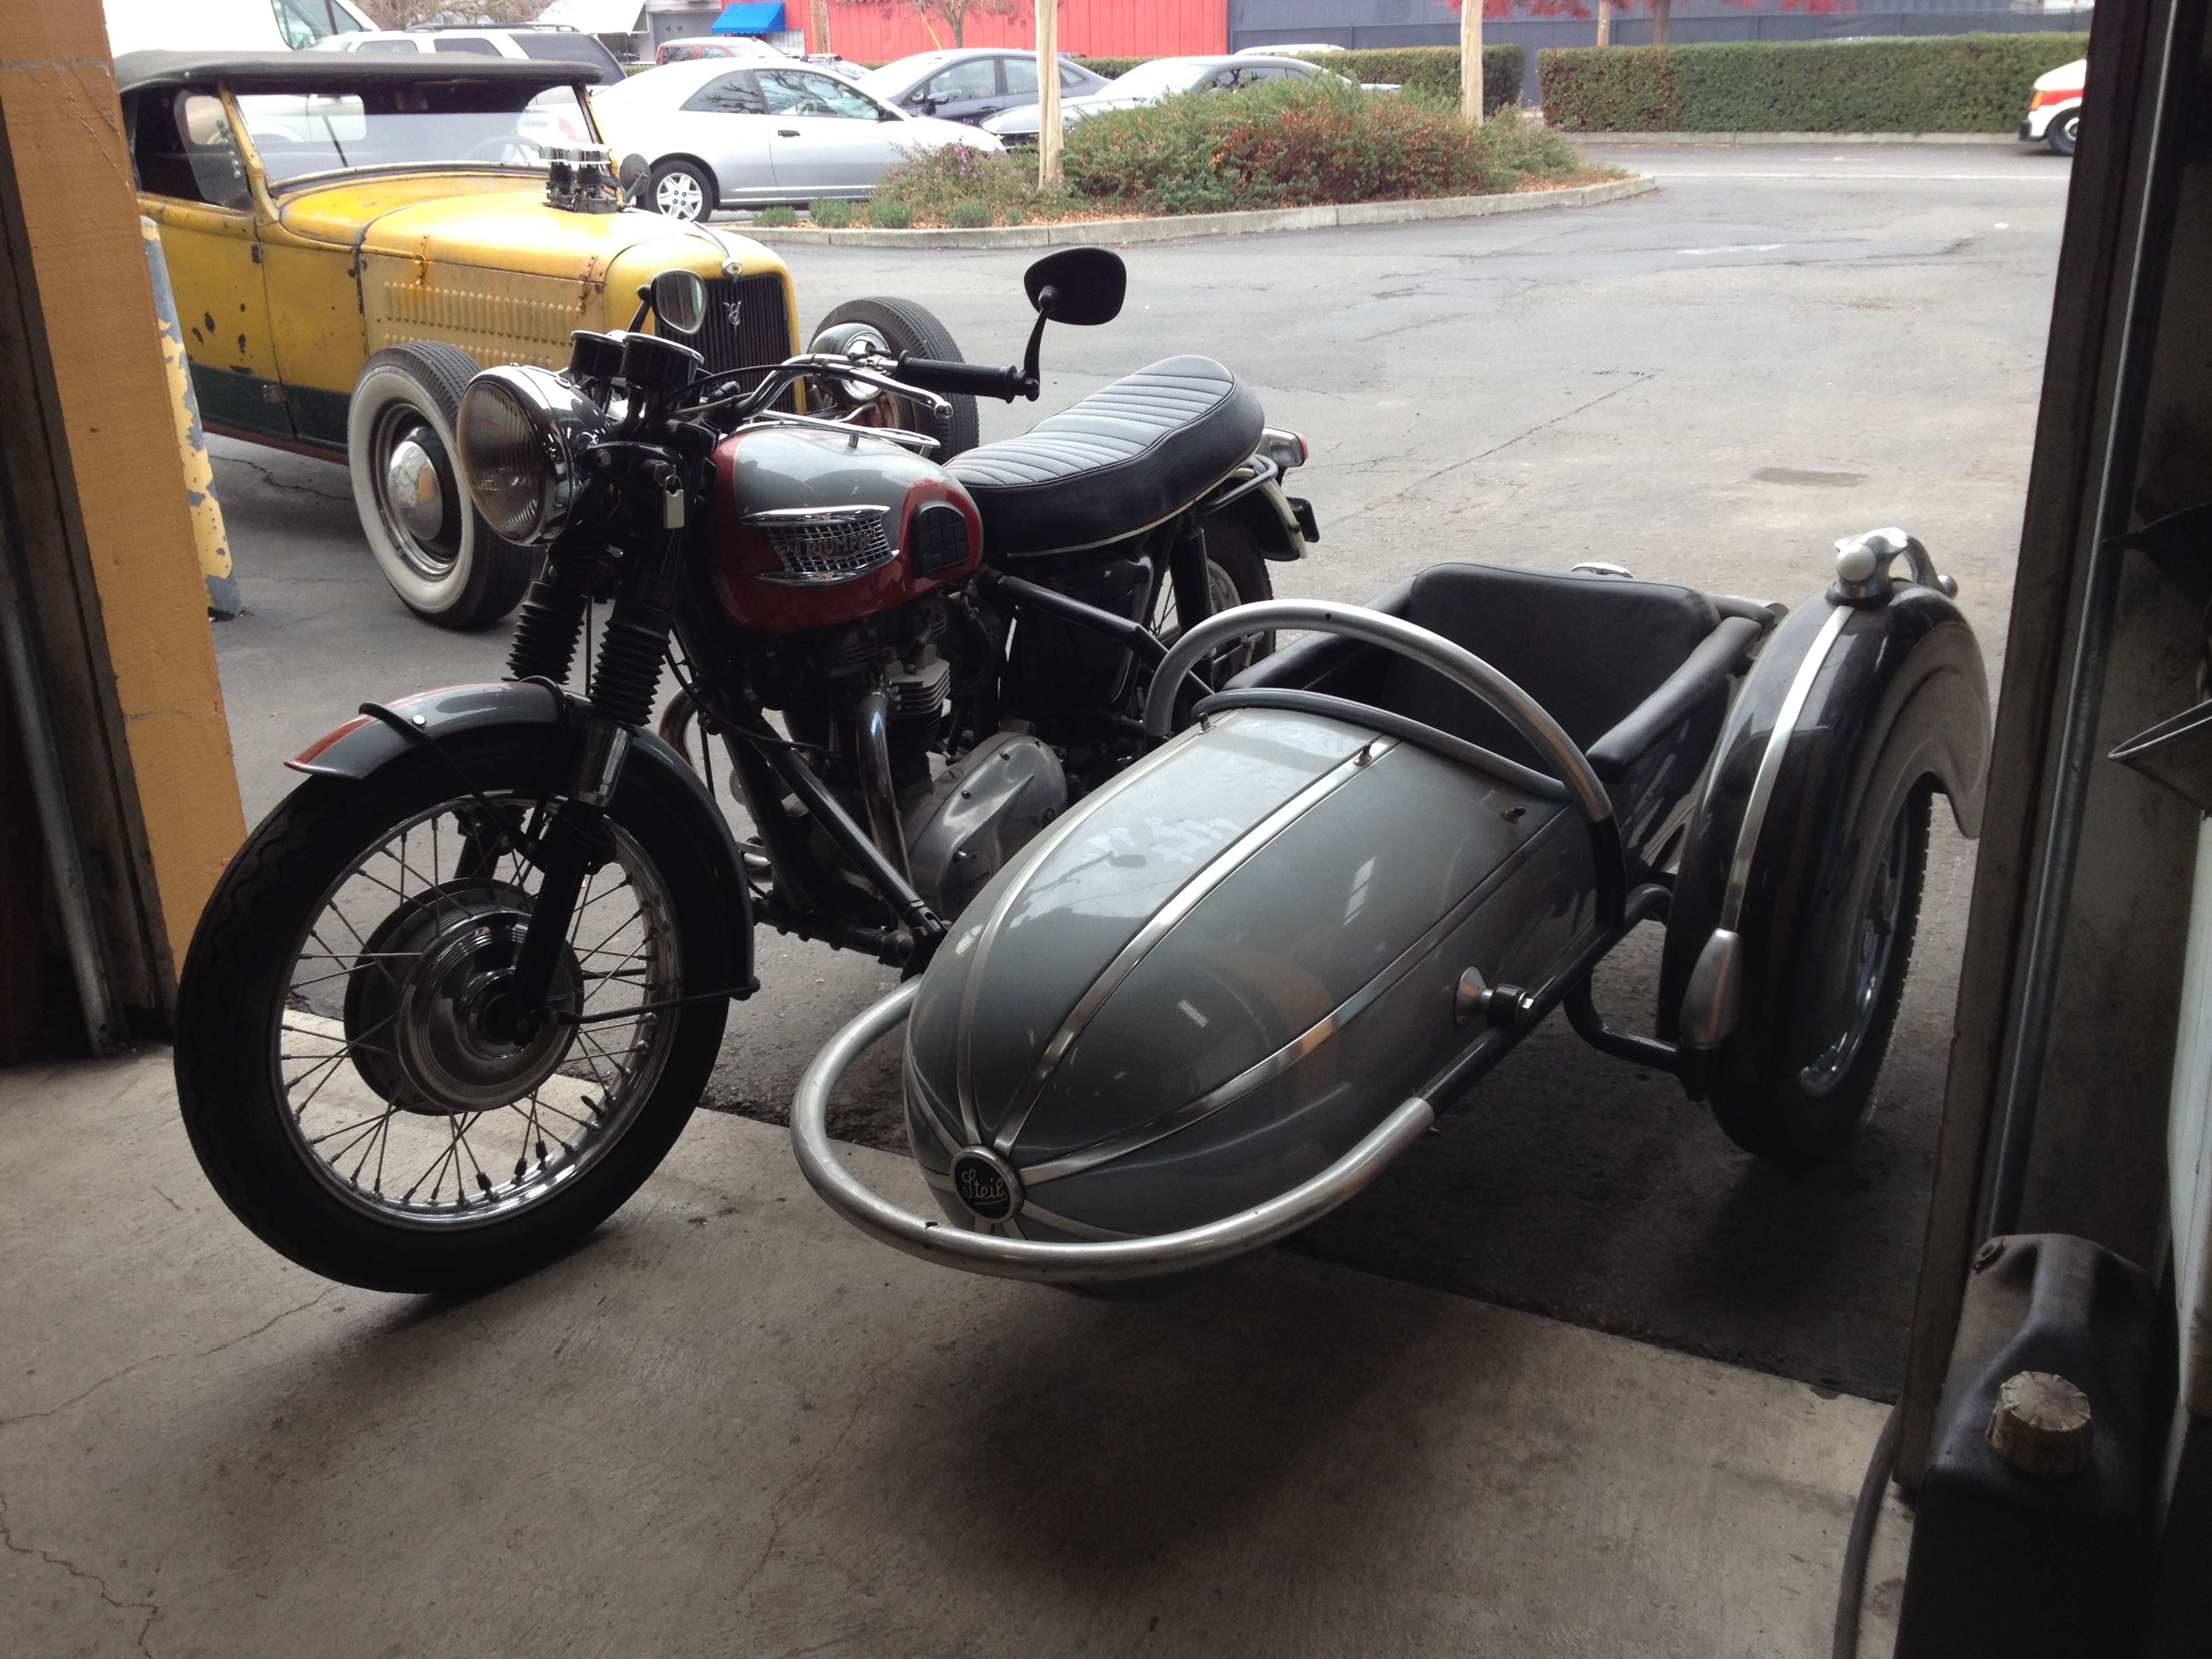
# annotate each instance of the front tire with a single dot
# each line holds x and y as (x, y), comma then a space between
(681, 191)
(444, 562)
(2065, 129)
(339, 1086)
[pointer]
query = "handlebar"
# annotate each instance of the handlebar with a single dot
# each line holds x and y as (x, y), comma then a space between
(939, 375)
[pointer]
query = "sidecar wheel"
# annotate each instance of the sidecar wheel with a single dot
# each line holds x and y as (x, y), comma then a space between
(446, 563)
(903, 326)
(1797, 1092)
(342, 1093)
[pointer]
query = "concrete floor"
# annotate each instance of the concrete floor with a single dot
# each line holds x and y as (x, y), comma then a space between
(729, 1425)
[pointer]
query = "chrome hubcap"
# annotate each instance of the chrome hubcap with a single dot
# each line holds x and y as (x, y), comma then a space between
(416, 494)
(411, 485)
(1877, 944)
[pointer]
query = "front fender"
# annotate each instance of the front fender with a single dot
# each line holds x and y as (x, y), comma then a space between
(364, 743)
(1901, 697)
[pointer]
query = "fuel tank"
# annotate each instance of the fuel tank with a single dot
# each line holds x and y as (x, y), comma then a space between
(808, 528)
(1218, 971)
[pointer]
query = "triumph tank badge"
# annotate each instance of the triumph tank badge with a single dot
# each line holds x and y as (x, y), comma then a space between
(985, 1185)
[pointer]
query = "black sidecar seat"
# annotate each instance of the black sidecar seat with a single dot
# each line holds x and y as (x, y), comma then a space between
(1620, 664)
(1121, 460)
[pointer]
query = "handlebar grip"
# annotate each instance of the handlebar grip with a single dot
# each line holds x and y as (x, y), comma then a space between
(937, 375)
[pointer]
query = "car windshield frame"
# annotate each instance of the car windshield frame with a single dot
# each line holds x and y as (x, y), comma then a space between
(369, 122)
(1137, 84)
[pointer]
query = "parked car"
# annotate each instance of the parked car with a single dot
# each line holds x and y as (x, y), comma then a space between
(843, 68)
(719, 136)
(352, 237)
(228, 24)
(1148, 83)
(1285, 49)
(973, 85)
(550, 43)
(694, 47)
(2054, 108)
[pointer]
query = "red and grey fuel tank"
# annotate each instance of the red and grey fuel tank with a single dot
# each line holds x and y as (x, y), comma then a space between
(1220, 970)
(809, 528)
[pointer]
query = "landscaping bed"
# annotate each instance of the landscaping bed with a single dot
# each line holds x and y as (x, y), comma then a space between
(1284, 145)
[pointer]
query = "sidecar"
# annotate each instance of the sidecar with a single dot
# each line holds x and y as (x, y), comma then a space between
(1226, 988)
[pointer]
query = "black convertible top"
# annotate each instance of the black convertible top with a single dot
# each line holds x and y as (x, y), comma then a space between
(322, 71)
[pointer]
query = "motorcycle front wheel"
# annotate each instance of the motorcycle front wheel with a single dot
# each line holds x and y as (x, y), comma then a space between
(333, 1065)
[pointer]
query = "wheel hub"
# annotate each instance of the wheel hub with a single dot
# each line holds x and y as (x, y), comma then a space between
(426, 1007)
(412, 486)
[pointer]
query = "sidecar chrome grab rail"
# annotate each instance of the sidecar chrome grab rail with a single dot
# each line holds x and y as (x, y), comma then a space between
(1456, 663)
(1100, 1260)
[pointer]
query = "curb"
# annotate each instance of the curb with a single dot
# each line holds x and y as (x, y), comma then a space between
(1184, 227)
(1692, 138)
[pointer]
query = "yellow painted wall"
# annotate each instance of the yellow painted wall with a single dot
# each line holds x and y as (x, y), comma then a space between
(80, 212)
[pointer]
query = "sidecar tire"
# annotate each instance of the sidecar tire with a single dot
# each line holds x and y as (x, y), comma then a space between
(909, 328)
(457, 572)
(1762, 1092)
(232, 999)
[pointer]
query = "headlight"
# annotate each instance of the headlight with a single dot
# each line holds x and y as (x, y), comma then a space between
(521, 430)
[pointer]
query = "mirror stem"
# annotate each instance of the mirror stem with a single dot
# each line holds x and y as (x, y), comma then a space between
(1029, 387)
(644, 305)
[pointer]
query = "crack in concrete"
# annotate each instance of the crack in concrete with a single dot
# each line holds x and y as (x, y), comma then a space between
(157, 1359)
(275, 483)
(1640, 377)
(151, 1610)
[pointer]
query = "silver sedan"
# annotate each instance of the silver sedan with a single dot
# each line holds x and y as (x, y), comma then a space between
(719, 134)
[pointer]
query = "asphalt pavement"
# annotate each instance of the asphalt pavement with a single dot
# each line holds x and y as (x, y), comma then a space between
(1708, 384)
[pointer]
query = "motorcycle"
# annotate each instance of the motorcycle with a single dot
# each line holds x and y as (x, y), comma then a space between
(458, 994)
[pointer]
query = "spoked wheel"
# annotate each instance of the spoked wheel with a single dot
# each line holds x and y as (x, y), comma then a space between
(1796, 1092)
(1236, 574)
(345, 1074)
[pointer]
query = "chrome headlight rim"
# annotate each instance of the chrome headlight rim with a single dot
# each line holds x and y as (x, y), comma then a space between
(559, 420)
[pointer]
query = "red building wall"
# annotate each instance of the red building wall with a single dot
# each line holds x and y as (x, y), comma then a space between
(875, 31)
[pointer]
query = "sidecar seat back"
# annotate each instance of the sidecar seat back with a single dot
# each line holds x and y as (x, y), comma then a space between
(1125, 457)
(1636, 671)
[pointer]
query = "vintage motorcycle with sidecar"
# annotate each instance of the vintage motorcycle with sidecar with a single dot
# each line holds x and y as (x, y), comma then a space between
(1222, 992)
(458, 994)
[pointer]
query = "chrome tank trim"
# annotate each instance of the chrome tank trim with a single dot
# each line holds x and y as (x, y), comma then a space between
(1227, 1094)
(1232, 1235)
(1186, 898)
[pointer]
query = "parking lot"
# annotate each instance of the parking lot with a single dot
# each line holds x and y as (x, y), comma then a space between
(1707, 384)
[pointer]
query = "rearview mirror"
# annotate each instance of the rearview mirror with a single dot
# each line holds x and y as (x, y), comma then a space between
(679, 299)
(1080, 285)
(631, 175)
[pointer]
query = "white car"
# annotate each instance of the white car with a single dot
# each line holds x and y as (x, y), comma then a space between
(1149, 83)
(723, 134)
(2054, 108)
(547, 43)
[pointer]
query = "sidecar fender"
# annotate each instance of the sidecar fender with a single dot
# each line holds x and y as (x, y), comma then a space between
(364, 743)
(1898, 698)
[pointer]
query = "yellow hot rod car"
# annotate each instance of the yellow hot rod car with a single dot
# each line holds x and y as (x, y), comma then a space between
(352, 237)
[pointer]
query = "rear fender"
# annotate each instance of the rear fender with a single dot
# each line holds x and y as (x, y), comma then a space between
(364, 743)
(1270, 519)
(1901, 698)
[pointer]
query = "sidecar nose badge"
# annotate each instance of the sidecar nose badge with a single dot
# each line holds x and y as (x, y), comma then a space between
(987, 1184)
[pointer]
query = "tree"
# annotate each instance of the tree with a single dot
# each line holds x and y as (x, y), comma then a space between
(1470, 39)
(406, 14)
(955, 13)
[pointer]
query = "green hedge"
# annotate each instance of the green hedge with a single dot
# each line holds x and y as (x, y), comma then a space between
(1943, 84)
(1112, 68)
(1433, 70)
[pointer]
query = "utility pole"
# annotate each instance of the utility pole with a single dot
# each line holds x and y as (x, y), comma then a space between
(1470, 60)
(820, 20)
(1047, 51)
(1604, 22)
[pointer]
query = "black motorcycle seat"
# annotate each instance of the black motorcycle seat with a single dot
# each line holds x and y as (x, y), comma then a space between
(1123, 459)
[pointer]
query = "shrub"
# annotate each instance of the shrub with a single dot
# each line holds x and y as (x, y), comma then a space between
(935, 181)
(1946, 83)
(890, 216)
(1014, 216)
(968, 216)
(776, 218)
(1432, 71)
(1112, 68)
(1291, 143)
(829, 213)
